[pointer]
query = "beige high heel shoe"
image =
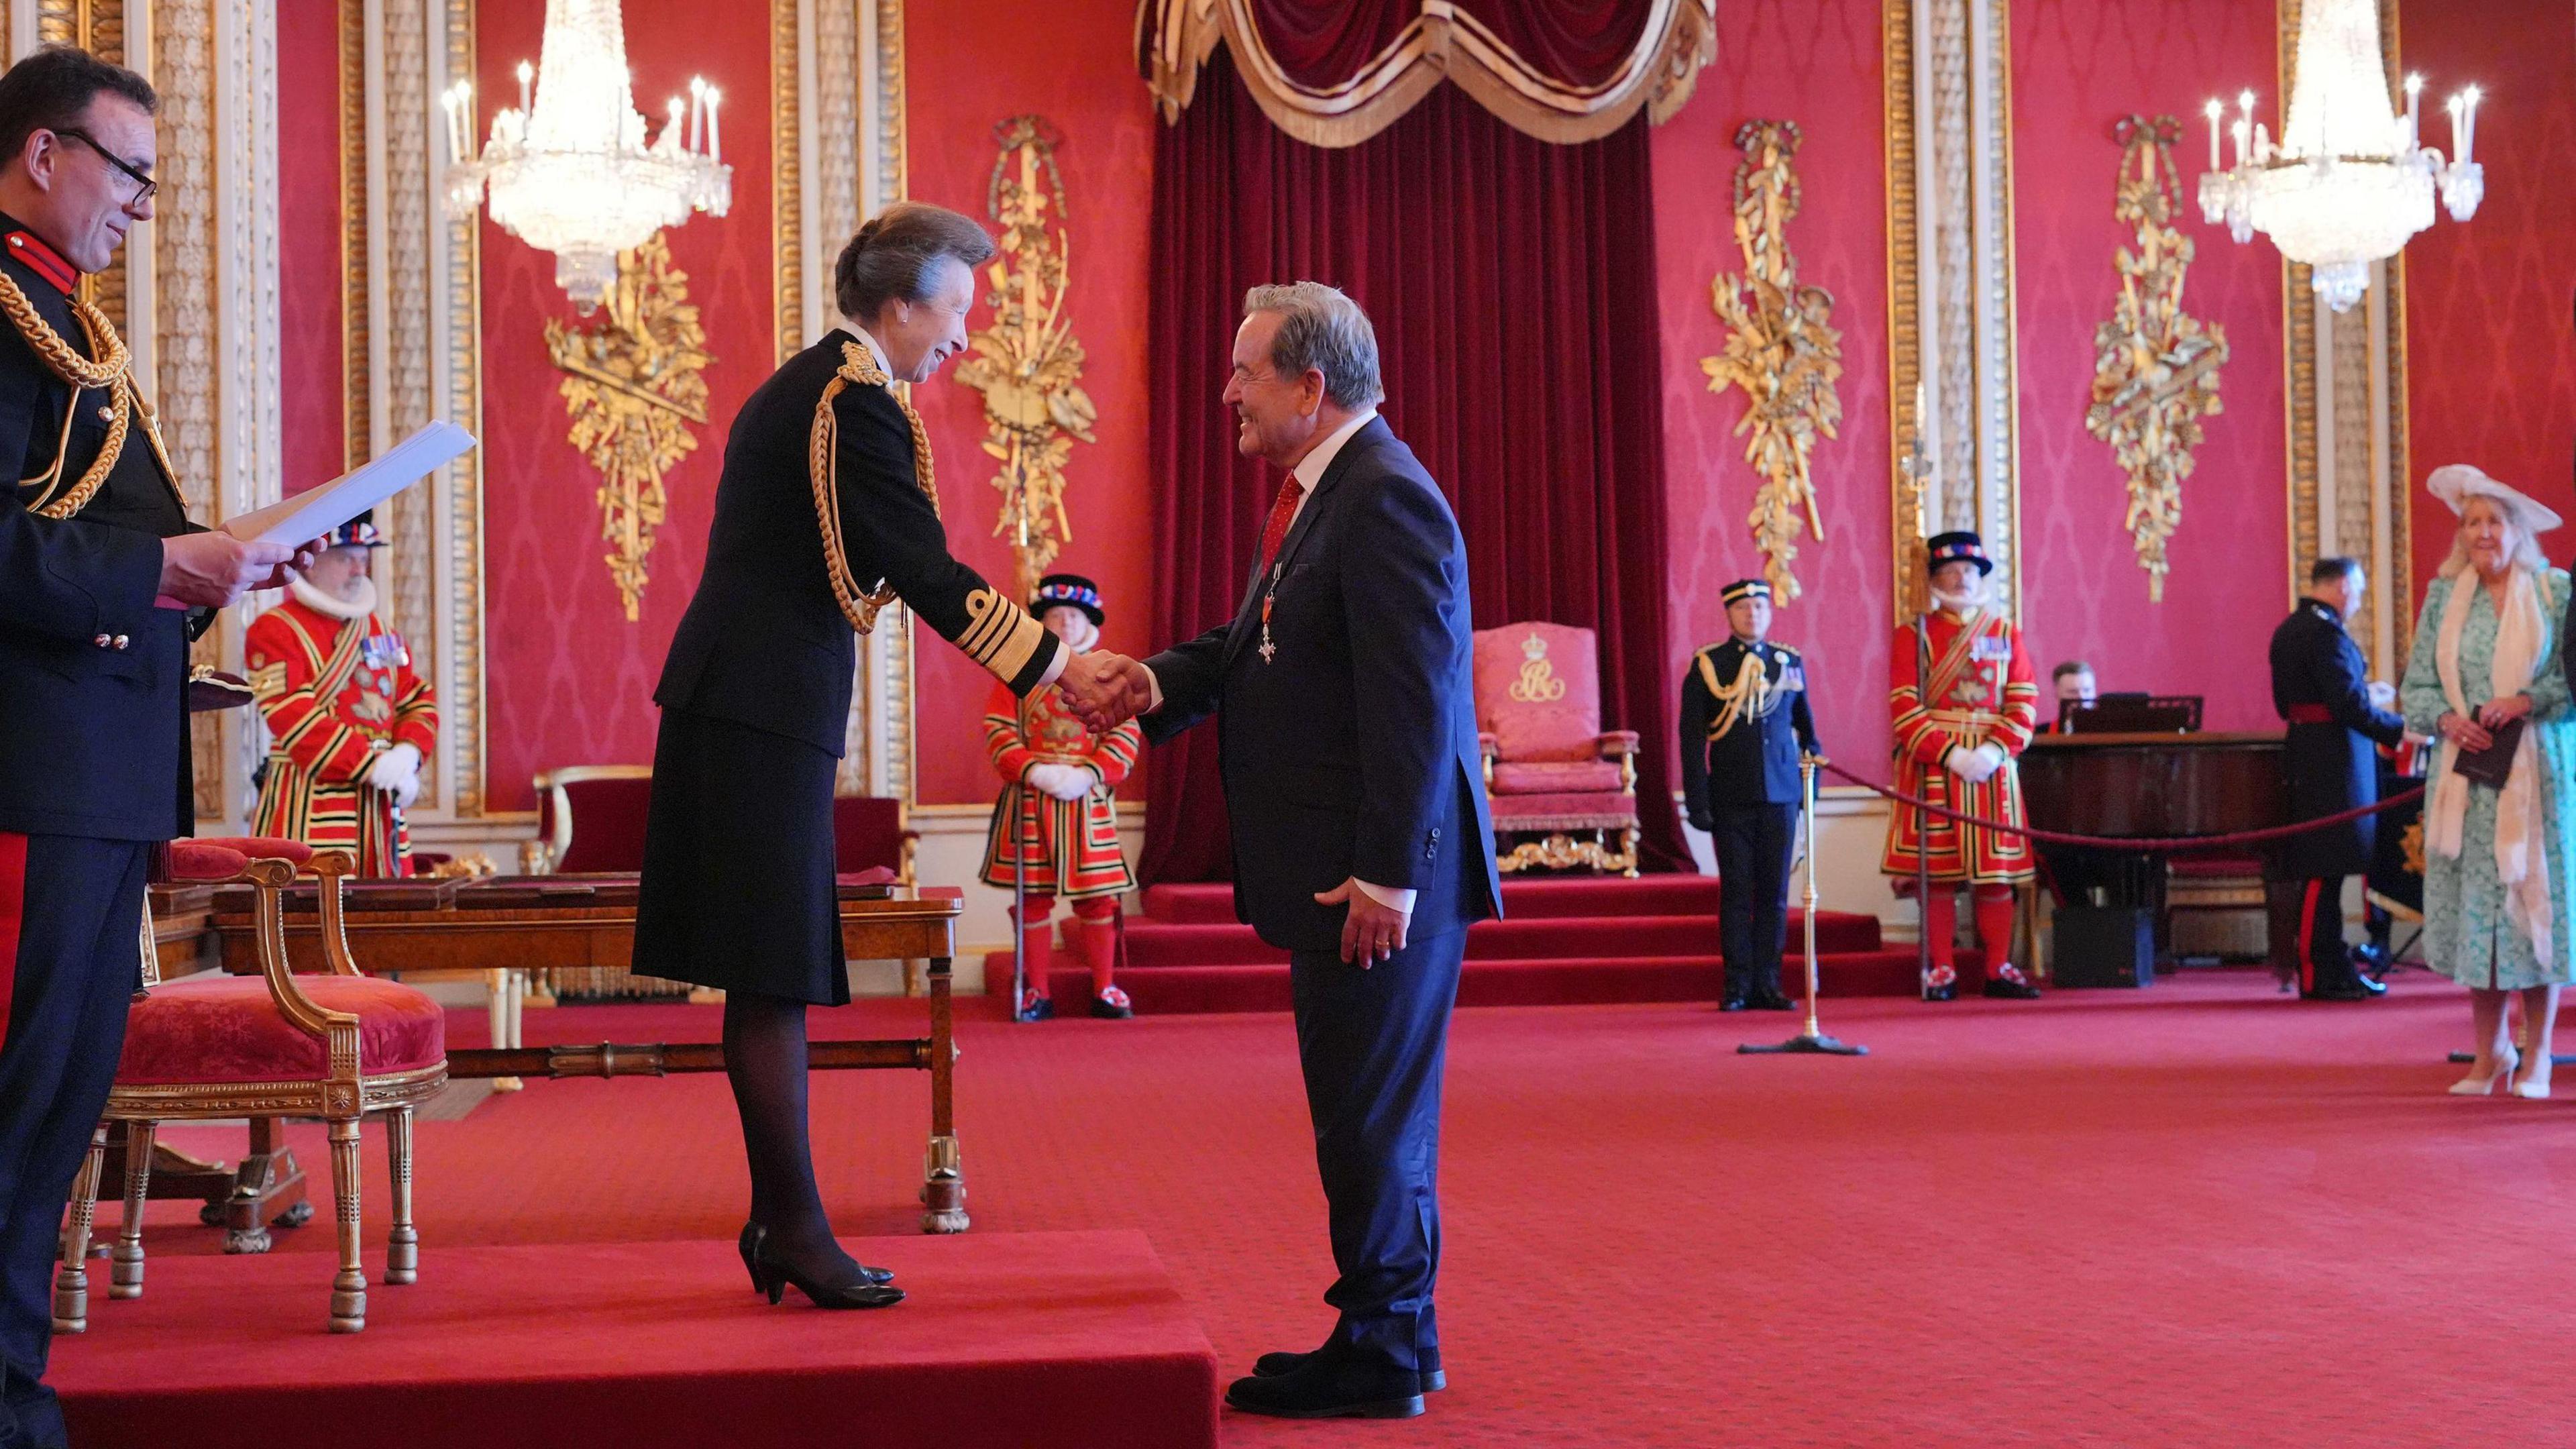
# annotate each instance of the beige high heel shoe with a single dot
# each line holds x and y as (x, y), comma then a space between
(2530, 1092)
(2474, 1086)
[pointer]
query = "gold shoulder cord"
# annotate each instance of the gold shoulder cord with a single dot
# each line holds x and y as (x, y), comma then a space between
(823, 465)
(1748, 697)
(111, 370)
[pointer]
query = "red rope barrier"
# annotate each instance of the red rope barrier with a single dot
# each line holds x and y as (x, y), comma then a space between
(2134, 844)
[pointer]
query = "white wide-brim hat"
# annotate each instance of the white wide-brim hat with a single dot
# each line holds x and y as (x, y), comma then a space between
(2457, 483)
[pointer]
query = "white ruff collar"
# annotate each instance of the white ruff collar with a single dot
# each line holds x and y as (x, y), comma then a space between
(337, 608)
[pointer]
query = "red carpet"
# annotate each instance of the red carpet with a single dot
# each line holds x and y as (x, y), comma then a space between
(2196, 1215)
(1012, 1339)
(1567, 940)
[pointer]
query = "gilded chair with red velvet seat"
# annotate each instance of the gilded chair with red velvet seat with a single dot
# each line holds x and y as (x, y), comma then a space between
(335, 1045)
(611, 801)
(1552, 774)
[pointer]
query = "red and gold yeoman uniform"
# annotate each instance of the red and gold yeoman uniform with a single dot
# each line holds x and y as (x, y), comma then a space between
(335, 694)
(1070, 846)
(1956, 683)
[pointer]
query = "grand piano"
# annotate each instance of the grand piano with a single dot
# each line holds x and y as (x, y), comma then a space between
(2152, 784)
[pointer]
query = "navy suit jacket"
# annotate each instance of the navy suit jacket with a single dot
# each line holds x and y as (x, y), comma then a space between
(1352, 751)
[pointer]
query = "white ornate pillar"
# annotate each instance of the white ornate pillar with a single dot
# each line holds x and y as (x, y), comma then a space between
(1950, 269)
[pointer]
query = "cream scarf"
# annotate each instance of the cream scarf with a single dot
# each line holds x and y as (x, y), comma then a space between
(2522, 636)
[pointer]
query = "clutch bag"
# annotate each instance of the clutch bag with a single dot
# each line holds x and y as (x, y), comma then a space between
(2493, 765)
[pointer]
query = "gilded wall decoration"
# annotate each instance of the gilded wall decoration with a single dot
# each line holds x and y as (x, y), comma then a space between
(636, 380)
(1780, 350)
(2156, 374)
(1027, 364)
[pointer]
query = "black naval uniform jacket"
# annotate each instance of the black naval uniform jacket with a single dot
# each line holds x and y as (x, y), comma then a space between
(2319, 686)
(1756, 762)
(737, 887)
(93, 698)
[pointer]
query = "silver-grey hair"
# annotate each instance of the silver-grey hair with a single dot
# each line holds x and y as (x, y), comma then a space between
(1321, 328)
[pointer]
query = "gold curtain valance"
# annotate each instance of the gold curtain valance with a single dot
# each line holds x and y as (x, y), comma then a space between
(1441, 39)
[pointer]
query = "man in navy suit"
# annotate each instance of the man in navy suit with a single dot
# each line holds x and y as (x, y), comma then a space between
(1347, 738)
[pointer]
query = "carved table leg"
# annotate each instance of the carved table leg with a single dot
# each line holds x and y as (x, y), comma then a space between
(349, 1287)
(402, 1247)
(71, 1281)
(943, 1187)
(125, 1270)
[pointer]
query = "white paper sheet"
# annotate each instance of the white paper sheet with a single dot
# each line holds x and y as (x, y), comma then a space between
(316, 511)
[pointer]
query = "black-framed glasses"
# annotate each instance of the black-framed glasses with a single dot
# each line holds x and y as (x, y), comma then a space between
(142, 179)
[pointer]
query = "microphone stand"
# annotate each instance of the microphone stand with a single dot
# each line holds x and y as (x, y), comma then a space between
(1813, 1040)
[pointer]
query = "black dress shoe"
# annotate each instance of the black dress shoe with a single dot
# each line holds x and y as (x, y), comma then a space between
(2352, 989)
(749, 1246)
(2371, 984)
(1272, 1365)
(1949, 992)
(773, 1278)
(1733, 1001)
(1768, 998)
(1331, 1386)
(2003, 990)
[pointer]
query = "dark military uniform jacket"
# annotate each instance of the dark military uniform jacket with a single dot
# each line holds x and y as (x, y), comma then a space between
(766, 641)
(1753, 758)
(92, 675)
(2320, 686)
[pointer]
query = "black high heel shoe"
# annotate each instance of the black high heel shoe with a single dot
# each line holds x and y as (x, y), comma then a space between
(749, 1245)
(772, 1278)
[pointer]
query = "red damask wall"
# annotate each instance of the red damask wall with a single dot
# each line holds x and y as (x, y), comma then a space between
(570, 680)
(308, 225)
(1818, 63)
(2078, 67)
(2490, 357)
(969, 67)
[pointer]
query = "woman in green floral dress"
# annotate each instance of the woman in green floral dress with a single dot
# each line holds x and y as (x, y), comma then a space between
(2498, 861)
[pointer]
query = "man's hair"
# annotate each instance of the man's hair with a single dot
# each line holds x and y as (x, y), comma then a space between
(890, 258)
(2333, 569)
(51, 90)
(2068, 670)
(1323, 329)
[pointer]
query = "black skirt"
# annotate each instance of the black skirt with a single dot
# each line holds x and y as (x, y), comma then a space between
(738, 890)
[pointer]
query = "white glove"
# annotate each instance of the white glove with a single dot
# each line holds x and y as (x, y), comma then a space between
(1064, 782)
(2383, 695)
(1994, 757)
(396, 769)
(1964, 763)
(407, 791)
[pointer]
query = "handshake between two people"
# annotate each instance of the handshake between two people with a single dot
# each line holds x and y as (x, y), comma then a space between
(1106, 690)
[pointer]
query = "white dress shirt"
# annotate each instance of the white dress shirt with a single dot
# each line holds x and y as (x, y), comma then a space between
(1063, 656)
(1309, 472)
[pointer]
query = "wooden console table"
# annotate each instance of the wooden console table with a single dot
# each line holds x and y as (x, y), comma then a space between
(501, 929)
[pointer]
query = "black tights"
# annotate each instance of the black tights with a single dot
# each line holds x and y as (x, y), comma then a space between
(764, 1047)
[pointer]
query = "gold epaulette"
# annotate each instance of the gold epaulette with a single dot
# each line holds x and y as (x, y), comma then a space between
(1748, 697)
(823, 463)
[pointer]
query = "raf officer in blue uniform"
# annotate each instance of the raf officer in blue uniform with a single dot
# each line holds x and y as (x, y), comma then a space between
(1744, 723)
(103, 581)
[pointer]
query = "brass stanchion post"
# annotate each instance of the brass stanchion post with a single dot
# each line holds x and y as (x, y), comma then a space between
(1813, 1040)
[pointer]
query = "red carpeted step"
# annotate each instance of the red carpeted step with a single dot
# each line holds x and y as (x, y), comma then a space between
(1212, 903)
(1181, 990)
(1009, 1339)
(1153, 943)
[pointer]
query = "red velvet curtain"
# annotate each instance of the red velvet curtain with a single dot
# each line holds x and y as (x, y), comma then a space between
(1512, 283)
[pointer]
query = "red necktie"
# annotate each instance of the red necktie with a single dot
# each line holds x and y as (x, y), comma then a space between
(1275, 531)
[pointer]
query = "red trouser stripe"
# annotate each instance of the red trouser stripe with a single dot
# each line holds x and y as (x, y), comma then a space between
(2308, 936)
(13, 902)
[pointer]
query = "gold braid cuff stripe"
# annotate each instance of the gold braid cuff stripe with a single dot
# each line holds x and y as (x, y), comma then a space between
(822, 461)
(1000, 635)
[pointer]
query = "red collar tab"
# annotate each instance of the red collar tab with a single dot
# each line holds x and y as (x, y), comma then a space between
(47, 263)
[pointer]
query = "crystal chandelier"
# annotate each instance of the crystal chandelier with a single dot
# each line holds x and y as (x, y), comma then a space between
(569, 172)
(2350, 180)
